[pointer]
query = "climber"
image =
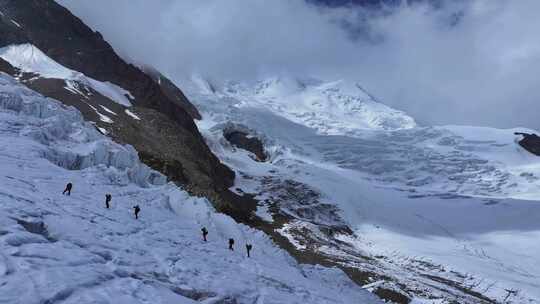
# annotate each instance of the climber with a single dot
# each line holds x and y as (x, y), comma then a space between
(68, 189)
(231, 243)
(204, 233)
(137, 210)
(248, 248)
(108, 199)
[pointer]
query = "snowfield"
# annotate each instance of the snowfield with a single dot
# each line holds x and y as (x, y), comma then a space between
(29, 59)
(70, 249)
(452, 203)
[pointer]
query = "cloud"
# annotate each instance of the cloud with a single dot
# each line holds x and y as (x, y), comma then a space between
(472, 62)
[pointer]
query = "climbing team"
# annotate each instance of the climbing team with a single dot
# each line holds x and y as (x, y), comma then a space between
(137, 209)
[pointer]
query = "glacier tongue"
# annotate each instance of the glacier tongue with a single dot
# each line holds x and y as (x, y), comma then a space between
(70, 249)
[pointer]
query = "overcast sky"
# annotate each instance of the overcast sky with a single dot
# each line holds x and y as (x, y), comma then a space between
(481, 70)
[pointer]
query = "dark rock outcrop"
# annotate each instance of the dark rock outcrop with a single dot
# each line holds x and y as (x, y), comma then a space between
(172, 91)
(530, 142)
(7, 68)
(164, 134)
(244, 141)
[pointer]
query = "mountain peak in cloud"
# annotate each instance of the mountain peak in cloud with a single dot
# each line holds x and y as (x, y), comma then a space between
(452, 58)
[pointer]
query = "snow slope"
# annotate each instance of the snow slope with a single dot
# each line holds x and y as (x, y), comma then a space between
(30, 59)
(450, 197)
(332, 108)
(70, 249)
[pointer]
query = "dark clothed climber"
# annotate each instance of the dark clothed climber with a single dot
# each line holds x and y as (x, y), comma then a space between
(204, 233)
(248, 249)
(137, 210)
(231, 243)
(108, 199)
(68, 189)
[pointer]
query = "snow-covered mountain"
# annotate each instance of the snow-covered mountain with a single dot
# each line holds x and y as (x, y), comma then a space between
(70, 249)
(425, 212)
(332, 108)
(339, 193)
(29, 59)
(54, 53)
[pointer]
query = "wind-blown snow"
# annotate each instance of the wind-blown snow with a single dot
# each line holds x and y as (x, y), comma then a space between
(109, 90)
(446, 195)
(30, 59)
(74, 88)
(132, 115)
(70, 249)
(102, 117)
(108, 110)
(16, 23)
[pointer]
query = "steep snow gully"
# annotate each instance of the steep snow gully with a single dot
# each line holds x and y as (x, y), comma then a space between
(70, 249)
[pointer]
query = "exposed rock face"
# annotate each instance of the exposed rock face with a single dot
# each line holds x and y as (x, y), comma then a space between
(162, 128)
(172, 91)
(530, 142)
(244, 141)
(7, 68)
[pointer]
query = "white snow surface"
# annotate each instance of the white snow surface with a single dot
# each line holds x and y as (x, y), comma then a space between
(16, 23)
(28, 58)
(331, 108)
(465, 198)
(132, 115)
(70, 249)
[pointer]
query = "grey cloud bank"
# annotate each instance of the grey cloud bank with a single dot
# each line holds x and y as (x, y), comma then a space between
(481, 70)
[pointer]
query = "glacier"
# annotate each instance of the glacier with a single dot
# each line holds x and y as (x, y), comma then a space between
(330, 107)
(70, 249)
(455, 203)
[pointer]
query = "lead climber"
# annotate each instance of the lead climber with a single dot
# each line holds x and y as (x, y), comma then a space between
(231, 243)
